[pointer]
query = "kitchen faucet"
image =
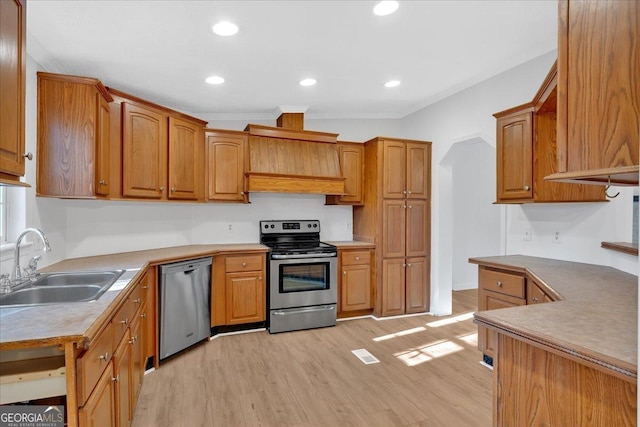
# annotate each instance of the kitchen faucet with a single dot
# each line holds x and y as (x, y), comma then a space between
(33, 264)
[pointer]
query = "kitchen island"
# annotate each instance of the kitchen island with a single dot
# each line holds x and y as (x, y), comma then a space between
(572, 361)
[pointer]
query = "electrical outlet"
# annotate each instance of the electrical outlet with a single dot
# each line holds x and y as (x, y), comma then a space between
(556, 237)
(349, 226)
(230, 227)
(527, 234)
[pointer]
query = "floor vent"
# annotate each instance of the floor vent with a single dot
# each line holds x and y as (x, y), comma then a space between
(366, 357)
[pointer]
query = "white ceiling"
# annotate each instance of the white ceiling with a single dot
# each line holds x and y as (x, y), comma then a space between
(163, 51)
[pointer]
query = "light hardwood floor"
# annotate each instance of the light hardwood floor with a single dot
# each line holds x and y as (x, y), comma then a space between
(428, 375)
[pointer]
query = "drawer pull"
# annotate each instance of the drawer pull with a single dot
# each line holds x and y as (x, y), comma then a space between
(145, 287)
(344, 272)
(116, 378)
(133, 340)
(136, 301)
(124, 322)
(244, 264)
(357, 258)
(104, 357)
(409, 265)
(499, 284)
(535, 299)
(259, 277)
(143, 315)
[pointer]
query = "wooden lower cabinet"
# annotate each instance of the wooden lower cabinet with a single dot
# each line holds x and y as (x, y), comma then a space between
(138, 357)
(100, 409)
(405, 285)
(354, 280)
(238, 291)
(245, 297)
(536, 387)
(487, 340)
(122, 360)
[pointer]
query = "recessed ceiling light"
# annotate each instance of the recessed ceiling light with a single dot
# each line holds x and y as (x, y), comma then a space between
(392, 83)
(225, 28)
(307, 82)
(385, 8)
(214, 80)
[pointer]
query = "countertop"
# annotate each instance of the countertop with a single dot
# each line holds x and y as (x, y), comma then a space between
(55, 324)
(594, 318)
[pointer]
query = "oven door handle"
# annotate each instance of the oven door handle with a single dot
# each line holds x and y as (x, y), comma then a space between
(303, 310)
(303, 256)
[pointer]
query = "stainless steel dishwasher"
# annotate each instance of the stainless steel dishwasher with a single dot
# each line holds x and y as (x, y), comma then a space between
(184, 304)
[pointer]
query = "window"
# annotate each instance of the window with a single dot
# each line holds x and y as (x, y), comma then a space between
(3, 215)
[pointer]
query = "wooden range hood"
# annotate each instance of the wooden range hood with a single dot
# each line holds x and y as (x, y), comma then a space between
(288, 159)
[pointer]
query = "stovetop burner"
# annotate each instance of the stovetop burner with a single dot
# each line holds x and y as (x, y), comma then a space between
(293, 237)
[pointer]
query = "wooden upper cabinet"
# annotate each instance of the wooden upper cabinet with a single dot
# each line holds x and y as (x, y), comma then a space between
(186, 160)
(351, 156)
(13, 60)
(418, 164)
(225, 165)
(526, 153)
(144, 152)
(394, 161)
(515, 154)
(73, 137)
(102, 146)
(598, 91)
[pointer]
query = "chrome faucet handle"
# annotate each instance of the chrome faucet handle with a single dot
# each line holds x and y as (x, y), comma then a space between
(33, 266)
(5, 284)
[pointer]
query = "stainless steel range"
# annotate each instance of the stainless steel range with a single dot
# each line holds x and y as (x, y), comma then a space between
(302, 285)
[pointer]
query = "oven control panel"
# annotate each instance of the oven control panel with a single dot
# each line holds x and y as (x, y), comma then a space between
(306, 226)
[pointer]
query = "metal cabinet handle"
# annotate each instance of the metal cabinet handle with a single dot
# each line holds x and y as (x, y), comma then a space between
(260, 278)
(409, 265)
(104, 357)
(404, 191)
(143, 315)
(535, 299)
(145, 287)
(526, 188)
(410, 206)
(404, 206)
(28, 156)
(344, 272)
(161, 188)
(404, 265)
(242, 193)
(133, 340)
(499, 284)
(357, 258)
(244, 264)
(116, 378)
(103, 182)
(408, 192)
(124, 322)
(136, 301)
(173, 190)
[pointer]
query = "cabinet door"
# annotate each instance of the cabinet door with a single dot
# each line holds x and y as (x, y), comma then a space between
(598, 86)
(13, 60)
(515, 157)
(245, 295)
(418, 170)
(186, 150)
(393, 169)
(144, 152)
(355, 290)
(122, 374)
(351, 164)
(394, 226)
(100, 409)
(417, 228)
(417, 285)
(393, 286)
(148, 288)
(102, 146)
(487, 340)
(225, 167)
(137, 359)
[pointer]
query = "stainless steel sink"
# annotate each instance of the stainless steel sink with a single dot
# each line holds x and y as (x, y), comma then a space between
(53, 288)
(99, 278)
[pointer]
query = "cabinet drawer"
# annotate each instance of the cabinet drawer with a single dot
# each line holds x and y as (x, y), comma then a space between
(92, 363)
(356, 257)
(121, 320)
(535, 294)
(504, 283)
(244, 263)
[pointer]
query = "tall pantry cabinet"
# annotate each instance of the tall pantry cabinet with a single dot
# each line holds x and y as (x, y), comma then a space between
(396, 217)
